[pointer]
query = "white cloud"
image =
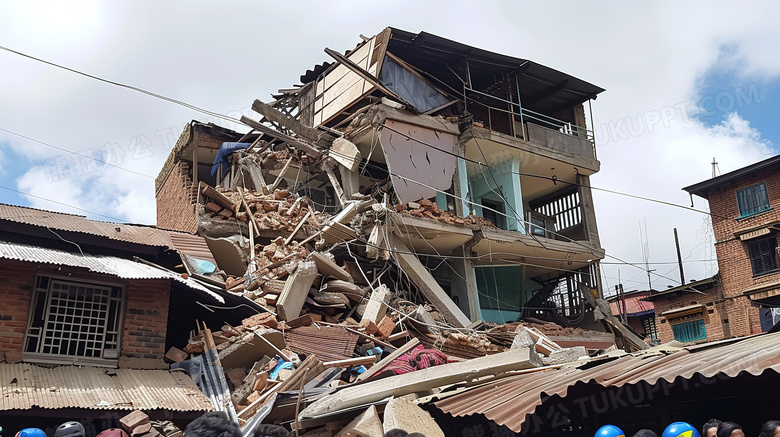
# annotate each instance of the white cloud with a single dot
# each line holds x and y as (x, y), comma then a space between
(650, 57)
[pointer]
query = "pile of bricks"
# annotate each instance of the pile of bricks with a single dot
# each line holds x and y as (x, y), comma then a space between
(428, 209)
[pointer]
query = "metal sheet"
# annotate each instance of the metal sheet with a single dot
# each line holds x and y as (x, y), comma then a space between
(24, 386)
(508, 401)
(109, 265)
(137, 234)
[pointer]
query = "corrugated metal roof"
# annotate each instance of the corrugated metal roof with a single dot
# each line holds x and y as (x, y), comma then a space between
(192, 245)
(634, 305)
(109, 265)
(508, 401)
(137, 234)
(24, 386)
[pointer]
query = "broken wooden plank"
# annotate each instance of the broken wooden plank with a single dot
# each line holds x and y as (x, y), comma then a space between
(216, 196)
(422, 278)
(378, 367)
(365, 75)
(419, 381)
(314, 135)
(293, 296)
(309, 149)
(377, 304)
(281, 174)
(297, 228)
(327, 267)
(349, 362)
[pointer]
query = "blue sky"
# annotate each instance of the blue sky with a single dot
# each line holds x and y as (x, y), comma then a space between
(655, 61)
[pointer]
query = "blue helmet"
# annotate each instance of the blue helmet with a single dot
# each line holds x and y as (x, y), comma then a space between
(31, 432)
(610, 431)
(680, 429)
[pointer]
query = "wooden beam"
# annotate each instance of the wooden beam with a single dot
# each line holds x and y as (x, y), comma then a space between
(297, 228)
(427, 284)
(336, 186)
(365, 75)
(218, 198)
(316, 136)
(309, 149)
(378, 367)
(349, 362)
(281, 175)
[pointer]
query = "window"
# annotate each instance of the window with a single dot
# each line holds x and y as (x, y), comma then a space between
(752, 199)
(494, 211)
(72, 319)
(690, 331)
(651, 329)
(762, 255)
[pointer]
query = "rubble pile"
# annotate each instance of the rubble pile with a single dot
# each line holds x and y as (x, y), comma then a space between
(428, 209)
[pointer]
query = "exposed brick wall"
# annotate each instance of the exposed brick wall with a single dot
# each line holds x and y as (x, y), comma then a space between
(712, 314)
(146, 310)
(175, 210)
(733, 258)
(146, 318)
(16, 284)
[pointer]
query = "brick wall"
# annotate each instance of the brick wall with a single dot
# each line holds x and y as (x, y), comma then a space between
(733, 259)
(146, 311)
(146, 318)
(712, 315)
(16, 284)
(175, 209)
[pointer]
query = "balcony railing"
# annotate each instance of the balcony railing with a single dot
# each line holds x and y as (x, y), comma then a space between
(559, 134)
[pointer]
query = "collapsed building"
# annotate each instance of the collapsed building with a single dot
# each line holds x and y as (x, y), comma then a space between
(413, 203)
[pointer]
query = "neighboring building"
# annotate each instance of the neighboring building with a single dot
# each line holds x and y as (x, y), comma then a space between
(635, 311)
(79, 296)
(694, 312)
(745, 209)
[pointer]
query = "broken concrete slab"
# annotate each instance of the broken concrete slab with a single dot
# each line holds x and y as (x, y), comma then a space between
(401, 413)
(367, 424)
(296, 289)
(419, 381)
(377, 304)
(327, 266)
(245, 352)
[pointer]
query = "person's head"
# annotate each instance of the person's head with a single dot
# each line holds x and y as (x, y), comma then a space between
(70, 429)
(645, 433)
(680, 429)
(710, 428)
(770, 429)
(212, 424)
(730, 429)
(396, 432)
(31, 432)
(112, 432)
(610, 431)
(269, 430)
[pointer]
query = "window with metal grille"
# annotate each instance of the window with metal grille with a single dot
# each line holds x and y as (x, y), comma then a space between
(690, 331)
(762, 255)
(752, 199)
(73, 319)
(565, 208)
(651, 329)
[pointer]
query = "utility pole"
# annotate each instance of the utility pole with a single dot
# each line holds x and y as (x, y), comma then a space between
(679, 257)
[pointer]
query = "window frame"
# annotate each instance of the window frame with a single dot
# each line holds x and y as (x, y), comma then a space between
(110, 359)
(756, 253)
(743, 195)
(701, 327)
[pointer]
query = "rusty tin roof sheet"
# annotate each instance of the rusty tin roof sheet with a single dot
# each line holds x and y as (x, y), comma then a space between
(24, 386)
(507, 401)
(108, 265)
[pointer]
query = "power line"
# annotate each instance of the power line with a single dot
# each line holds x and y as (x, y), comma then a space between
(130, 87)
(76, 153)
(118, 220)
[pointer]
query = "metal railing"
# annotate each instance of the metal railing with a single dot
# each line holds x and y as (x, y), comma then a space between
(516, 109)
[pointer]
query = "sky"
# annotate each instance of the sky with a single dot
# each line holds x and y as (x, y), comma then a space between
(685, 83)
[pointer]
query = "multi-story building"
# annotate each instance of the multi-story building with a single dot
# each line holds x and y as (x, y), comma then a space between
(425, 120)
(745, 216)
